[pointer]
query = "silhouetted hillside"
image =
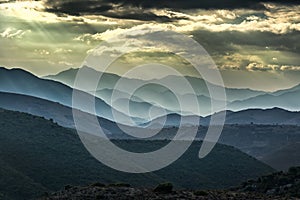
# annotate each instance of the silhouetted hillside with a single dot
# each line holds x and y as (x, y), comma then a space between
(21, 82)
(52, 156)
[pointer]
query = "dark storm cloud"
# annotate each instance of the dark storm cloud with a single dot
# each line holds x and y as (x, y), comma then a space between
(227, 40)
(6, 1)
(98, 6)
(77, 7)
(105, 8)
(144, 16)
(204, 4)
(252, 51)
(135, 9)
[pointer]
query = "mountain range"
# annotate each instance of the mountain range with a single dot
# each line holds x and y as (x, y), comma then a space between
(272, 128)
(18, 81)
(63, 115)
(237, 99)
(264, 134)
(284, 99)
(153, 97)
(109, 80)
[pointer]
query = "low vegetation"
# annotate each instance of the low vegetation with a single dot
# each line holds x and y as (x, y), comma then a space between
(280, 183)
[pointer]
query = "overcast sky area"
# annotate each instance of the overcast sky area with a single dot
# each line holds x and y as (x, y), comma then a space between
(254, 44)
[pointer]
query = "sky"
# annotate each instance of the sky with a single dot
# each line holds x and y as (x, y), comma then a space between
(254, 44)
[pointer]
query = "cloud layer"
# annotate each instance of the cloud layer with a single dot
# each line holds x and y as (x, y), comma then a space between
(250, 41)
(142, 9)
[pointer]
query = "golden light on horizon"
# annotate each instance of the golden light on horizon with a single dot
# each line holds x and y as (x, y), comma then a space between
(29, 10)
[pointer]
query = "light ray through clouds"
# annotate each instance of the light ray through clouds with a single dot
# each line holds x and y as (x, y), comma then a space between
(251, 47)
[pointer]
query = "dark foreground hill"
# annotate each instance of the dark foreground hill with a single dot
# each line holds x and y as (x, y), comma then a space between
(129, 193)
(278, 185)
(37, 155)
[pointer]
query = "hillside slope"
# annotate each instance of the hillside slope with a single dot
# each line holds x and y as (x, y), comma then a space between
(285, 157)
(52, 156)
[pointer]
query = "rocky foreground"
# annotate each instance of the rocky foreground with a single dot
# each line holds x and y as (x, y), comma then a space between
(276, 186)
(128, 193)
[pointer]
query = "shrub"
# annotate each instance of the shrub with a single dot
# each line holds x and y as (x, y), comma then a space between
(67, 187)
(293, 170)
(97, 184)
(200, 193)
(164, 188)
(119, 185)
